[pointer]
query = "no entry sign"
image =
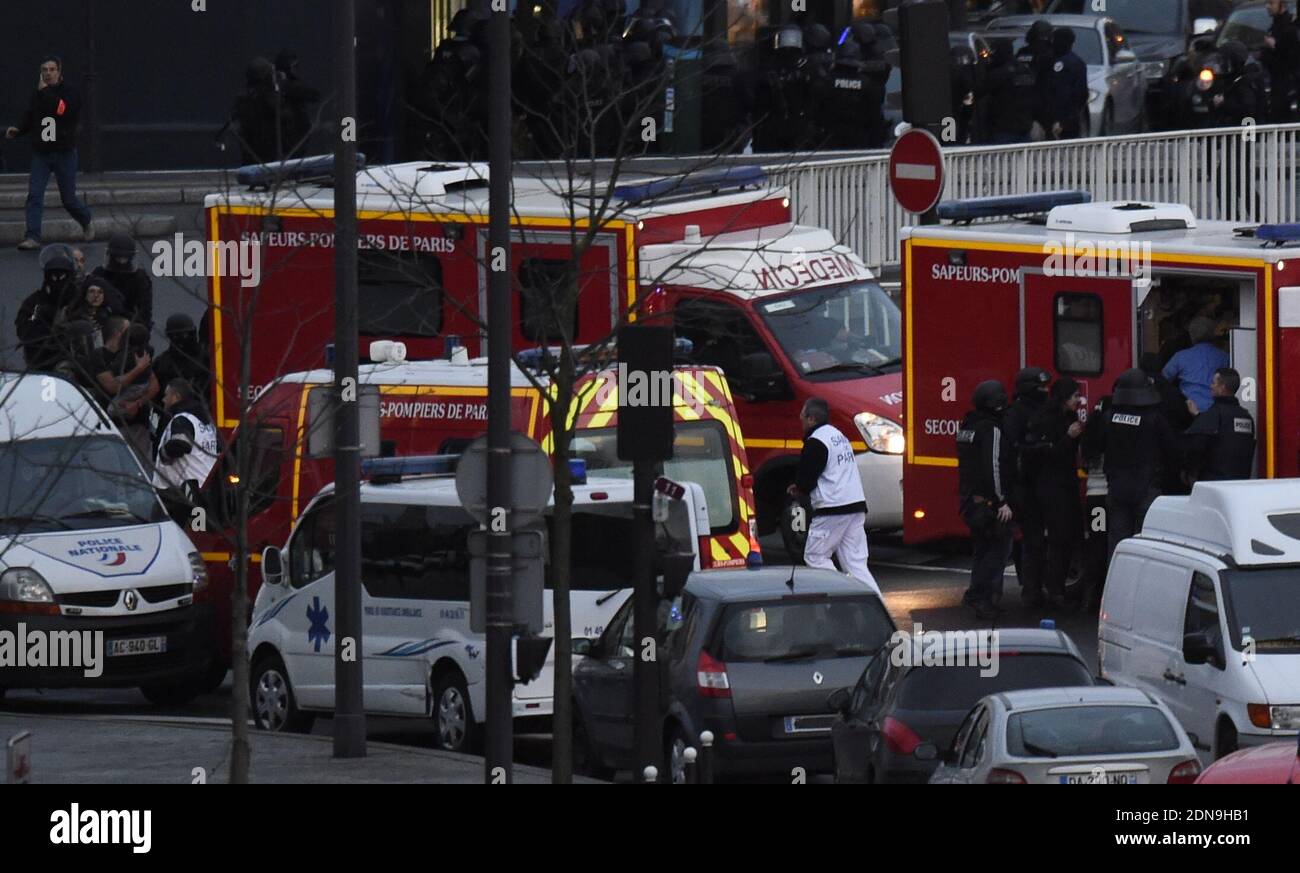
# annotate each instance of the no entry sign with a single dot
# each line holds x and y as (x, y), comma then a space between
(916, 171)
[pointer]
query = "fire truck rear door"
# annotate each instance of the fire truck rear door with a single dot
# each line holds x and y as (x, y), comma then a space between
(1080, 326)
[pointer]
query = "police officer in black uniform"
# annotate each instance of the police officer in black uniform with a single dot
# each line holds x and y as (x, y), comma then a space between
(1220, 444)
(849, 116)
(1009, 96)
(1067, 89)
(1281, 57)
(1140, 447)
(983, 502)
(1050, 456)
(1031, 396)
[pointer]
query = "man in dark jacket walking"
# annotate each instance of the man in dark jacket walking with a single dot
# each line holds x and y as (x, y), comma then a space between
(1067, 89)
(983, 502)
(51, 123)
(1221, 441)
(1031, 395)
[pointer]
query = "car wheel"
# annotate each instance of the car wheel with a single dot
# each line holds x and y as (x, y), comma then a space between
(275, 709)
(586, 760)
(794, 528)
(173, 694)
(1225, 740)
(453, 720)
(675, 756)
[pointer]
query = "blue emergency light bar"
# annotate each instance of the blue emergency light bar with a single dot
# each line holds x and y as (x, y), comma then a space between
(531, 359)
(1279, 234)
(1015, 204)
(394, 469)
(295, 170)
(693, 183)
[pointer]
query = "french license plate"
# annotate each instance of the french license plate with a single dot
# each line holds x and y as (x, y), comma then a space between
(1090, 779)
(137, 646)
(808, 724)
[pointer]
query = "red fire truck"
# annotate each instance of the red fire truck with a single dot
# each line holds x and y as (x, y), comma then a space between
(783, 309)
(1087, 290)
(438, 408)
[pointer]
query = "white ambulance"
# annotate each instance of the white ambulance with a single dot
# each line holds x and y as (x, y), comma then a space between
(420, 657)
(1202, 609)
(98, 587)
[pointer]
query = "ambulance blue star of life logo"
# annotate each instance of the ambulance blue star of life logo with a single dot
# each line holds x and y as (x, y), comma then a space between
(319, 617)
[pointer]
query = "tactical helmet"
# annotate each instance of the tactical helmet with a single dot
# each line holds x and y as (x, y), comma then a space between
(179, 323)
(1135, 388)
(55, 258)
(1032, 380)
(788, 39)
(1040, 30)
(120, 245)
(989, 396)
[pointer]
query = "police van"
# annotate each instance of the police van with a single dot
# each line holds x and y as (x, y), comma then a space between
(91, 568)
(420, 657)
(1202, 609)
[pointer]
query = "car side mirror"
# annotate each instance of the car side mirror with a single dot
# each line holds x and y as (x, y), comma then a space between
(838, 701)
(1125, 56)
(272, 566)
(1204, 25)
(926, 752)
(584, 647)
(1198, 648)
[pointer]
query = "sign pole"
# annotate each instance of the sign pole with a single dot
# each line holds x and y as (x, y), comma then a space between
(499, 751)
(349, 716)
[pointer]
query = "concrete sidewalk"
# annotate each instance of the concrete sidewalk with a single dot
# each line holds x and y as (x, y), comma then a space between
(120, 750)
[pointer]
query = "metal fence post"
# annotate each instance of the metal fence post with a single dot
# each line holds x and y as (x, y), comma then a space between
(706, 758)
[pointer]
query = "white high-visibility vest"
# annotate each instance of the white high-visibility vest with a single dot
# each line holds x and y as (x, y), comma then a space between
(194, 464)
(839, 484)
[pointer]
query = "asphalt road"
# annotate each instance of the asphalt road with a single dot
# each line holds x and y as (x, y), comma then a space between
(920, 586)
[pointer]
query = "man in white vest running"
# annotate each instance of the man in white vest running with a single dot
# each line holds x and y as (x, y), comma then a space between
(187, 449)
(828, 474)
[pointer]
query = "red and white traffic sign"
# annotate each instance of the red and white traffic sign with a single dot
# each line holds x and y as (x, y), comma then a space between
(916, 170)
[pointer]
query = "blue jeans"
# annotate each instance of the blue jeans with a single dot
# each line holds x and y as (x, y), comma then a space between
(63, 165)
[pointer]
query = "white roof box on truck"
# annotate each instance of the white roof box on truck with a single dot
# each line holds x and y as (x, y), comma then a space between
(1119, 216)
(1254, 522)
(754, 263)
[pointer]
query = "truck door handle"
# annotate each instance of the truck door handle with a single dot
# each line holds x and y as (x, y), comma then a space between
(1169, 674)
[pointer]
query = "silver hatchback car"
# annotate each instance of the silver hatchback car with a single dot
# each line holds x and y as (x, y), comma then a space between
(1069, 736)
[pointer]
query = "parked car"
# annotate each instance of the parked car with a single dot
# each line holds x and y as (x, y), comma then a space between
(1117, 88)
(1068, 736)
(749, 656)
(1202, 610)
(1273, 764)
(1160, 32)
(895, 708)
(1249, 24)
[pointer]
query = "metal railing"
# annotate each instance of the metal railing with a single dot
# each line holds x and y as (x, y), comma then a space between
(1249, 175)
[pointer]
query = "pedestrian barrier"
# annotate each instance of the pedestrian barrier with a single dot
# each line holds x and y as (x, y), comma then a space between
(1249, 175)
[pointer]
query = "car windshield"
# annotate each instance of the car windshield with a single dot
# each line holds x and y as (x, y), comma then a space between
(1132, 16)
(797, 629)
(73, 483)
(1264, 605)
(959, 687)
(1089, 730)
(840, 332)
(1249, 25)
(701, 454)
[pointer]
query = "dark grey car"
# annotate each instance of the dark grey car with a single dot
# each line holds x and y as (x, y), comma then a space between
(896, 707)
(746, 654)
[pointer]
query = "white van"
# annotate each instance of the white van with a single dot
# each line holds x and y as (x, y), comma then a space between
(420, 657)
(1202, 610)
(92, 570)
